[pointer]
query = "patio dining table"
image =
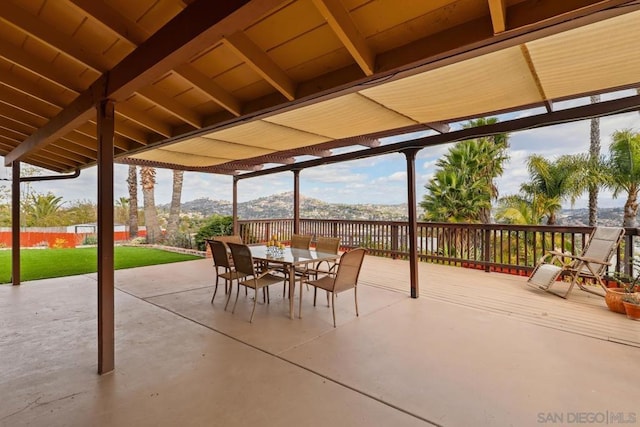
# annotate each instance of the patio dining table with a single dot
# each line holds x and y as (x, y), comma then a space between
(290, 258)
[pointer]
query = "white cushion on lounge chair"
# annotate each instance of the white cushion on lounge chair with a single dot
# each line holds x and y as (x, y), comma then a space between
(545, 275)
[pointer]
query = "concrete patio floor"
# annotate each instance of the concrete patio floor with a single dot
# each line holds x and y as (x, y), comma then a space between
(476, 349)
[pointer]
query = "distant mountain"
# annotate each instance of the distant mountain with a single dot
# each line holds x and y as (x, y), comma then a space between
(580, 217)
(281, 206)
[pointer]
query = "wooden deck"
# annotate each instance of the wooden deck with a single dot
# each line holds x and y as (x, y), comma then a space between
(581, 313)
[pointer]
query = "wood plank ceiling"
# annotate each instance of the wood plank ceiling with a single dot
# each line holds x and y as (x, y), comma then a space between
(226, 87)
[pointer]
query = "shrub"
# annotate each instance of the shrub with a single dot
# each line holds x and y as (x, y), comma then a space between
(90, 240)
(217, 225)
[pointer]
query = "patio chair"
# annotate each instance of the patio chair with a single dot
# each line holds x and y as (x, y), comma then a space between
(298, 241)
(346, 278)
(221, 261)
(591, 264)
(330, 245)
(249, 278)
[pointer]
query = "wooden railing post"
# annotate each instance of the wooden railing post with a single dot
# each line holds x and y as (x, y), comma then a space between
(394, 241)
(486, 250)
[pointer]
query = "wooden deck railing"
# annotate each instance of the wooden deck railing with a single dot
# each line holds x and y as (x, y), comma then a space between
(499, 247)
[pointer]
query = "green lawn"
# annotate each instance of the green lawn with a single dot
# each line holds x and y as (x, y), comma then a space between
(45, 263)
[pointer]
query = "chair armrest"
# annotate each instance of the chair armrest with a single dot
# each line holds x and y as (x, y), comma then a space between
(592, 260)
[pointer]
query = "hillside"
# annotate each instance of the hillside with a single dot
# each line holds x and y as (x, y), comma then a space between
(281, 206)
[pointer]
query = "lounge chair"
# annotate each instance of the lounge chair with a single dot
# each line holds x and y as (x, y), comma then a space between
(591, 264)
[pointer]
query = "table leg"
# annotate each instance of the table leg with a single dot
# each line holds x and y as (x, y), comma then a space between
(292, 291)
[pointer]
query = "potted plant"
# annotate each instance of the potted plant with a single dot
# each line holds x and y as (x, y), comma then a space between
(631, 304)
(626, 286)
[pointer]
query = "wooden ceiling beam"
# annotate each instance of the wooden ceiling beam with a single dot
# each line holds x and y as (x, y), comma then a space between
(39, 68)
(129, 132)
(261, 63)
(438, 126)
(171, 106)
(342, 25)
(24, 22)
(536, 79)
(142, 119)
(33, 90)
(119, 141)
(199, 25)
(498, 9)
(210, 89)
(106, 16)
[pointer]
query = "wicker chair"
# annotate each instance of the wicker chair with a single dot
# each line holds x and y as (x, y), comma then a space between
(245, 266)
(346, 278)
(221, 261)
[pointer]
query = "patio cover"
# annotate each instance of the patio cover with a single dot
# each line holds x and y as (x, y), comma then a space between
(228, 86)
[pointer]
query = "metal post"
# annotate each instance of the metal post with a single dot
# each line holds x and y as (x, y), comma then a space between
(296, 201)
(413, 221)
(235, 205)
(106, 316)
(15, 223)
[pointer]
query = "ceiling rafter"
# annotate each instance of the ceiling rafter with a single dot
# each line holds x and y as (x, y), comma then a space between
(119, 141)
(171, 106)
(498, 9)
(439, 126)
(548, 104)
(139, 117)
(192, 30)
(342, 25)
(136, 35)
(261, 63)
(113, 20)
(39, 68)
(23, 21)
(209, 88)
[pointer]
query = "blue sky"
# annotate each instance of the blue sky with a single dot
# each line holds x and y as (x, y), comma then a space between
(374, 180)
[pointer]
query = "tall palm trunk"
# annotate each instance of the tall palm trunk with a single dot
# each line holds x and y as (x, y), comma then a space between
(148, 181)
(174, 211)
(132, 182)
(594, 154)
(631, 207)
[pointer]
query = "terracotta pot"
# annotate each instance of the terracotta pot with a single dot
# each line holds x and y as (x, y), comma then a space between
(633, 310)
(613, 298)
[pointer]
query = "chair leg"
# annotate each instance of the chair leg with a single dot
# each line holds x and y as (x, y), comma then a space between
(355, 295)
(332, 293)
(333, 306)
(236, 303)
(315, 292)
(216, 289)
(255, 300)
(229, 296)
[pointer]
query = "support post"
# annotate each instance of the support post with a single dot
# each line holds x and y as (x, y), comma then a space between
(296, 201)
(413, 221)
(234, 205)
(106, 323)
(15, 223)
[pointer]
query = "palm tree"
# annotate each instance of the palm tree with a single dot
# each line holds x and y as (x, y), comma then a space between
(463, 187)
(132, 182)
(174, 210)
(522, 210)
(624, 170)
(594, 155)
(492, 153)
(555, 181)
(148, 181)
(42, 210)
(122, 210)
